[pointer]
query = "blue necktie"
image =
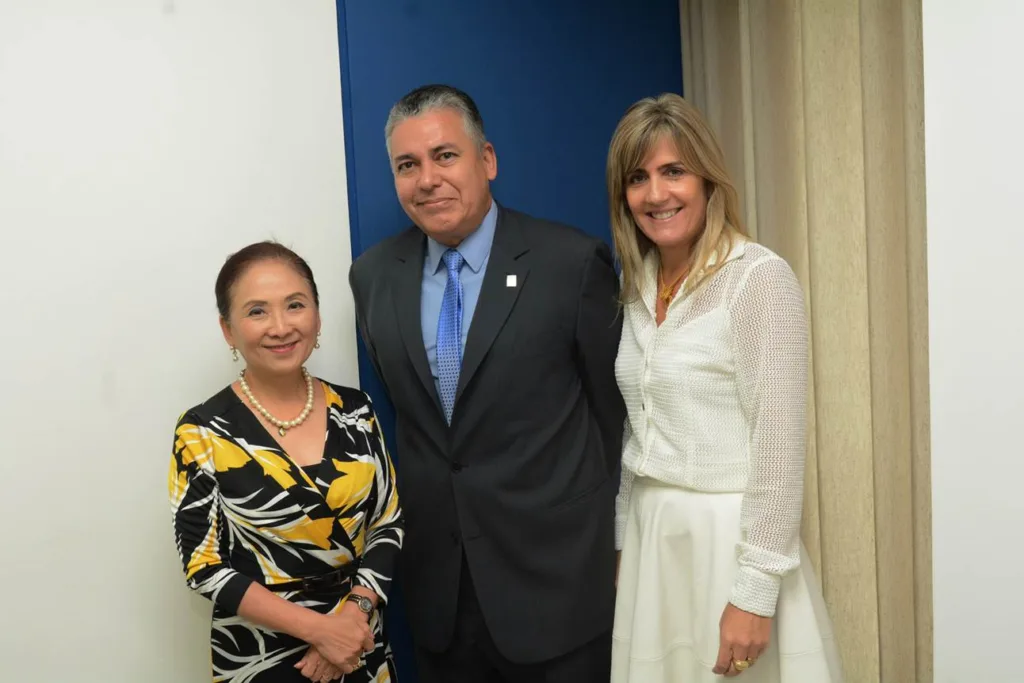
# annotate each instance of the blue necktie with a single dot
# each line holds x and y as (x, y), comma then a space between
(449, 334)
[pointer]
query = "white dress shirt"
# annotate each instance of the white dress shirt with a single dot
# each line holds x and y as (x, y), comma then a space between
(716, 402)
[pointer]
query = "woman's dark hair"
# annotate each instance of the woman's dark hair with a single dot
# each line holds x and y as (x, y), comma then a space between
(244, 258)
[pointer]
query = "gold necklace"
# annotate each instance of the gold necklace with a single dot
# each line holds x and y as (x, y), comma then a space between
(666, 292)
(282, 425)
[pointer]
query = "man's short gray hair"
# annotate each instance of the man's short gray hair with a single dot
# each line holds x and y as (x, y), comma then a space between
(431, 97)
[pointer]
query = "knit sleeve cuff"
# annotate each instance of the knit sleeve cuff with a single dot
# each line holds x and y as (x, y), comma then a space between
(756, 592)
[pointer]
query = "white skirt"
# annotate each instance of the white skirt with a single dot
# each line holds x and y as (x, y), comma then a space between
(676, 576)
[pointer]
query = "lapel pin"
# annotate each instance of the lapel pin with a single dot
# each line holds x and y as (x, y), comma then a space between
(510, 280)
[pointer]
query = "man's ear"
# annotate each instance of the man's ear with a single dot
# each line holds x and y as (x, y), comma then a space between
(490, 160)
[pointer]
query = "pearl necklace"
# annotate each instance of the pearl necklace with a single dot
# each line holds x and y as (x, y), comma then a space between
(282, 425)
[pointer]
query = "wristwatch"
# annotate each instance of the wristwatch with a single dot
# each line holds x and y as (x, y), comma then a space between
(364, 603)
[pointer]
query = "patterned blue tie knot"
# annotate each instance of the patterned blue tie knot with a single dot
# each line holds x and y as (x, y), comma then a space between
(449, 334)
(453, 262)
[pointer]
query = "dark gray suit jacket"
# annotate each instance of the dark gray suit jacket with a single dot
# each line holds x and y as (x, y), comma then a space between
(524, 479)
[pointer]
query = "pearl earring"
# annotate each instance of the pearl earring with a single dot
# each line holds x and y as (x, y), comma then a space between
(234, 354)
(317, 345)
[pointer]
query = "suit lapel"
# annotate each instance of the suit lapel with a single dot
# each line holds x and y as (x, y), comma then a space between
(497, 296)
(406, 293)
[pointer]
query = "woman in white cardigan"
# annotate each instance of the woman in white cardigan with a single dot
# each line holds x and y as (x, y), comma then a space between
(713, 578)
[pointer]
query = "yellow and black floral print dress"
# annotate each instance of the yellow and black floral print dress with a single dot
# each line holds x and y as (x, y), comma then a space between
(244, 512)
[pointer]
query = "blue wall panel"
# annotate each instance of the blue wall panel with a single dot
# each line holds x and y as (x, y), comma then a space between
(551, 78)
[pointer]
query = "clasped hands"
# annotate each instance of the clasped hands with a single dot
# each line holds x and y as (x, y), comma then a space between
(338, 646)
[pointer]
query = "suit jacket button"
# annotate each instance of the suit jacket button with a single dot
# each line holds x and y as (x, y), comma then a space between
(456, 467)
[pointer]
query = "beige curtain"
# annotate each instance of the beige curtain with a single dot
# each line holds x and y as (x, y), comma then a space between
(819, 106)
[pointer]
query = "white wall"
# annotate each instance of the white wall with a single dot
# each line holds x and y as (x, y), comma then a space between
(140, 143)
(974, 106)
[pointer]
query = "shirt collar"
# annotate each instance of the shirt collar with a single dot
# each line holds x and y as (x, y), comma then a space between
(474, 249)
(649, 286)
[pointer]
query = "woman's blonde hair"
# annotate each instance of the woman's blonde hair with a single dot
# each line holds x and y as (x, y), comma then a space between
(641, 128)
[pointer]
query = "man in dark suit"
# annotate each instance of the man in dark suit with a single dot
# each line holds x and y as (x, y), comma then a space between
(495, 336)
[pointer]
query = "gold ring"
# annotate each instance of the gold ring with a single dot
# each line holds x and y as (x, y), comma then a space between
(741, 664)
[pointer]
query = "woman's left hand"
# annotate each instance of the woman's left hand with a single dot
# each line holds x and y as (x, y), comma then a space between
(316, 668)
(744, 636)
